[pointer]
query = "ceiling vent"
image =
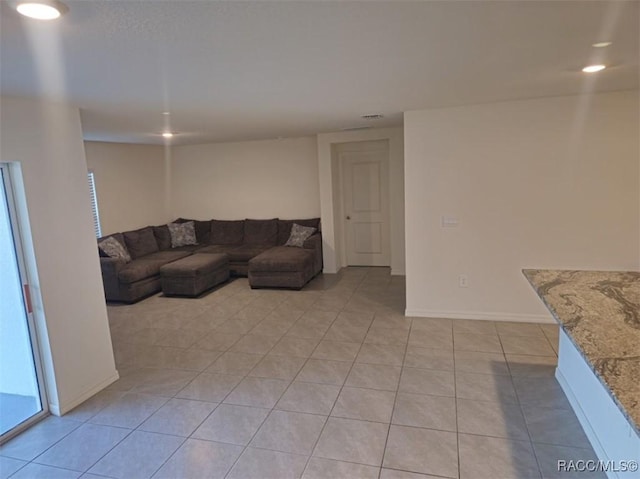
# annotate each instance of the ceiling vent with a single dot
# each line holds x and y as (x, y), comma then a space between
(374, 116)
(355, 128)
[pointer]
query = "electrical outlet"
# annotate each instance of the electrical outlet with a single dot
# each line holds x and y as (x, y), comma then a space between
(463, 281)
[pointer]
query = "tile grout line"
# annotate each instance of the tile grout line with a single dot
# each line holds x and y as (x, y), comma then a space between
(48, 448)
(220, 402)
(533, 449)
(395, 399)
(353, 362)
(276, 403)
(365, 285)
(244, 447)
(175, 397)
(195, 429)
(107, 452)
(455, 396)
(353, 292)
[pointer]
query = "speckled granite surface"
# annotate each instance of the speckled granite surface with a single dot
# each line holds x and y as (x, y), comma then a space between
(600, 312)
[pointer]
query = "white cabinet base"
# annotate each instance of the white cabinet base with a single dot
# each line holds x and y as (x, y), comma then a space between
(610, 433)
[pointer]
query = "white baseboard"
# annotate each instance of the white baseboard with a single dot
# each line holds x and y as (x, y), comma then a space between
(59, 410)
(482, 316)
(394, 272)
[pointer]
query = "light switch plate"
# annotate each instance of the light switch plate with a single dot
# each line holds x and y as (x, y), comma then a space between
(449, 222)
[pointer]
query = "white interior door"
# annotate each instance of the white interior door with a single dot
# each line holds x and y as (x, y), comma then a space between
(365, 196)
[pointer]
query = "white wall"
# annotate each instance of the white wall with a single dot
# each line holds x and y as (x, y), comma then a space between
(545, 183)
(44, 140)
(331, 223)
(252, 179)
(130, 184)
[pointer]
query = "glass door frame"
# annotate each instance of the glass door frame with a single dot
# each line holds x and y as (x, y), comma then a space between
(7, 177)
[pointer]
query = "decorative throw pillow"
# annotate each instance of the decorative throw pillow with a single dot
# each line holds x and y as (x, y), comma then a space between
(299, 235)
(182, 234)
(284, 227)
(114, 249)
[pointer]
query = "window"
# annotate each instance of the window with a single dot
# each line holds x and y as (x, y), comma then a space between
(94, 204)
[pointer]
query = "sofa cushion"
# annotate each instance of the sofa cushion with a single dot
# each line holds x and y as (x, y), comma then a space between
(149, 266)
(163, 237)
(282, 258)
(140, 269)
(284, 227)
(195, 265)
(217, 248)
(299, 235)
(111, 247)
(169, 255)
(245, 252)
(227, 232)
(190, 248)
(182, 234)
(203, 229)
(262, 232)
(140, 242)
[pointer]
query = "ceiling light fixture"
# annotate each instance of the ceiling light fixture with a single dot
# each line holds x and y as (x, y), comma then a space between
(593, 68)
(42, 9)
(601, 44)
(166, 113)
(167, 134)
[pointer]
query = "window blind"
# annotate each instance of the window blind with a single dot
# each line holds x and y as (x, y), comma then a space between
(94, 204)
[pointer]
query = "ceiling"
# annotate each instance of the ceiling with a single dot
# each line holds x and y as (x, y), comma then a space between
(230, 71)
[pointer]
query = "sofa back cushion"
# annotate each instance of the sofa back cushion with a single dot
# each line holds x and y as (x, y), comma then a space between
(203, 229)
(284, 227)
(163, 237)
(141, 242)
(227, 232)
(261, 232)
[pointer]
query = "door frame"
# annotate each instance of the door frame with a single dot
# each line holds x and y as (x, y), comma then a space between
(7, 177)
(327, 166)
(358, 146)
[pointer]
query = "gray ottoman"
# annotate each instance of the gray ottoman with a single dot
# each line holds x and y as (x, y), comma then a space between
(282, 267)
(194, 274)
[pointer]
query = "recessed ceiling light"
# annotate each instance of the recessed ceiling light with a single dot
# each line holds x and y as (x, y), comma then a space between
(166, 113)
(601, 44)
(42, 9)
(167, 134)
(593, 68)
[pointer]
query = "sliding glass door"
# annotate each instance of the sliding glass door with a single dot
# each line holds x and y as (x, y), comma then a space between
(21, 396)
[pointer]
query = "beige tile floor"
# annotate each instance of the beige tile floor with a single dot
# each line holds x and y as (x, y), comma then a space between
(329, 382)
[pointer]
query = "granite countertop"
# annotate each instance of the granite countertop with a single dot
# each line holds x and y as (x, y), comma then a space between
(600, 312)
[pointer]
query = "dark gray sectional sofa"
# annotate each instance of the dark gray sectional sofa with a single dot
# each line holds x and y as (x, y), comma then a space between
(255, 249)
